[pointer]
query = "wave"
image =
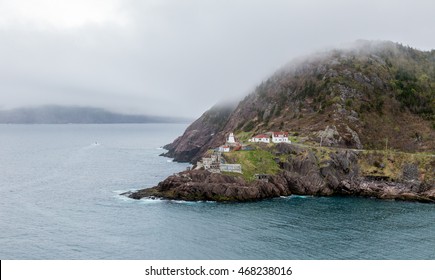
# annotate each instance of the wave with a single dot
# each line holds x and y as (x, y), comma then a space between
(191, 202)
(130, 200)
(295, 196)
(150, 200)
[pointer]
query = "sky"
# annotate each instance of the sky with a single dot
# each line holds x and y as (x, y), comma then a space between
(179, 57)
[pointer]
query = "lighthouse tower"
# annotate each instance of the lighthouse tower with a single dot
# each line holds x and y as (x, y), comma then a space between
(231, 139)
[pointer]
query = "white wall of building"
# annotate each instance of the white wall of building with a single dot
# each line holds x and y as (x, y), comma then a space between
(280, 139)
(231, 138)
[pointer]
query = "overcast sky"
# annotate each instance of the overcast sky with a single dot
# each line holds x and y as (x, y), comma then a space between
(179, 57)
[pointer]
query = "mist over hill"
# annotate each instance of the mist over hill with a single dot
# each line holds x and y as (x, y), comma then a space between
(374, 95)
(53, 114)
(361, 122)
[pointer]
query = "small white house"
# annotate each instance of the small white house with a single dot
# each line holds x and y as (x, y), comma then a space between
(264, 138)
(231, 139)
(224, 149)
(280, 137)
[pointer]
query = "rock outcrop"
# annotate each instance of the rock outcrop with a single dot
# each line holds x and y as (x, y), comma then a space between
(341, 176)
(205, 132)
(301, 173)
(203, 185)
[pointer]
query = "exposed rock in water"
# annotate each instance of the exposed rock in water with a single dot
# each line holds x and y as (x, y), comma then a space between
(203, 185)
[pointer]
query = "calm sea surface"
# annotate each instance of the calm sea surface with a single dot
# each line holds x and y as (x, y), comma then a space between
(59, 199)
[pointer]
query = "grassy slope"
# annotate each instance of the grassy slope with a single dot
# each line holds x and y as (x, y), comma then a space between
(254, 162)
(375, 163)
(390, 164)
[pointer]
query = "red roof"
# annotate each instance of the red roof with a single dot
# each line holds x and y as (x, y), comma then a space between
(280, 134)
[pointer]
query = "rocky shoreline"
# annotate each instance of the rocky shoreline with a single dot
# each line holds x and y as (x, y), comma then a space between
(301, 174)
(201, 185)
(197, 185)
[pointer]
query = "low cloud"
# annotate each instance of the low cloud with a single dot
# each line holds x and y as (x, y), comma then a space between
(178, 57)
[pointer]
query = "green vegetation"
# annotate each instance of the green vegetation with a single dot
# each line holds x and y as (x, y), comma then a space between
(294, 139)
(249, 126)
(385, 163)
(374, 163)
(390, 164)
(253, 162)
(244, 136)
(373, 90)
(417, 94)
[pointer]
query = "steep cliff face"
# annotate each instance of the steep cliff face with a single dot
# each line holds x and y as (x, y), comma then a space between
(359, 98)
(354, 113)
(201, 134)
(375, 95)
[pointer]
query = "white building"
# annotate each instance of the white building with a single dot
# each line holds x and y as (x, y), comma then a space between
(264, 138)
(224, 149)
(237, 168)
(280, 137)
(231, 139)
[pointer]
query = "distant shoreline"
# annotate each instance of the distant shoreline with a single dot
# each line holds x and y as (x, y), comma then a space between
(159, 123)
(54, 114)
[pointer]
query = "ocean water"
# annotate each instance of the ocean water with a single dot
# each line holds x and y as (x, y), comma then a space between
(59, 199)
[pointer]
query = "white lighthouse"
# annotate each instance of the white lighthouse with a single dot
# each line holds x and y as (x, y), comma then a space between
(231, 139)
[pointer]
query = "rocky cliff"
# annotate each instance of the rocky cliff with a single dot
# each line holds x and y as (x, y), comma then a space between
(200, 135)
(374, 95)
(203, 185)
(363, 118)
(302, 172)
